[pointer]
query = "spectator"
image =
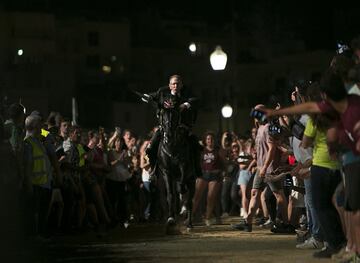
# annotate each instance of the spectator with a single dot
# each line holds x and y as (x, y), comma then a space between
(267, 161)
(212, 167)
(116, 181)
(37, 176)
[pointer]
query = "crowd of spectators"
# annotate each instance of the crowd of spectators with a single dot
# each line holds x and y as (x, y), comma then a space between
(296, 174)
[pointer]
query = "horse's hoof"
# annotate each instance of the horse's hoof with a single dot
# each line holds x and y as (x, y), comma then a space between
(171, 222)
(189, 229)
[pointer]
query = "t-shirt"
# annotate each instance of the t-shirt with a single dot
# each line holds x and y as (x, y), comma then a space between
(261, 141)
(211, 160)
(321, 155)
(301, 154)
(348, 119)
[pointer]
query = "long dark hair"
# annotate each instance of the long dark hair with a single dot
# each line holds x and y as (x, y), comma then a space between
(321, 121)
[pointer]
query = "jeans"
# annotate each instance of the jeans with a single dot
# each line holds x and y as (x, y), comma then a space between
(313, 220)
(323, 184)
(230, 190)
(148, 199)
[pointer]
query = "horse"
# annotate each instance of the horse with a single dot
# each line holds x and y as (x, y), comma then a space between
(175, 163)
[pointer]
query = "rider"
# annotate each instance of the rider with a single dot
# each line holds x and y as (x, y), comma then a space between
(171, 96)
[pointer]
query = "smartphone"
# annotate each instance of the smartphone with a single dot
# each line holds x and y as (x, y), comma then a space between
(274, 129)
(258, 115)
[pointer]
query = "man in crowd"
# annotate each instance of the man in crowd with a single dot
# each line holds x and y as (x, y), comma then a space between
(37, 175)
(268, 159)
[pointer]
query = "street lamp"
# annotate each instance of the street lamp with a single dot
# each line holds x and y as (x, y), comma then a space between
(218, 59)
(192, 47)
(227, 111)
(20, 52)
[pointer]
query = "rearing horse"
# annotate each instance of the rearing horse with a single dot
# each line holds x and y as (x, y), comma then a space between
(175, 162)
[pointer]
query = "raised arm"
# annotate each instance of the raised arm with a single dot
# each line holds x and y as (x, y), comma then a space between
(304, 108)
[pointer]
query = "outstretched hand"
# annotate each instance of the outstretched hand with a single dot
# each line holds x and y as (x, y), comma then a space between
(268, 112)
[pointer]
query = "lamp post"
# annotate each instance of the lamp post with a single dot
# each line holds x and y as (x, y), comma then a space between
(218, 59)
(192, 48)
(226, 112)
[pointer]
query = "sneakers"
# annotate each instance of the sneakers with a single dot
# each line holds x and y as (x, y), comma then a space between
(208, 222)
(242, 227)
(260, 221)
(326, 252)
(268, 224)
(310, 243)
(225, 215)
(345, 255)
(302, 236)
(283, 229)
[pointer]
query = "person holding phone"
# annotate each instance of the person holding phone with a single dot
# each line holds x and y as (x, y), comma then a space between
(268, 159)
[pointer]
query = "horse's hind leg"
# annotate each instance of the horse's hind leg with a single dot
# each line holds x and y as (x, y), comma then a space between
(170, 192)
(189, 203)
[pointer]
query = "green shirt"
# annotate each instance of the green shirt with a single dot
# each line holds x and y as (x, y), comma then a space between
(321, 155)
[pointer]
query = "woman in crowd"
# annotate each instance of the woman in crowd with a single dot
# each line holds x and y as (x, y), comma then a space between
(212, 166)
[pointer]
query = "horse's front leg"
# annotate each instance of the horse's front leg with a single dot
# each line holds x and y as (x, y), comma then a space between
(170, 197)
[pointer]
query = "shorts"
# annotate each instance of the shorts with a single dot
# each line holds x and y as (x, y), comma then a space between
(244, 177)
(260, 184)
(211, 176)
(352, 186)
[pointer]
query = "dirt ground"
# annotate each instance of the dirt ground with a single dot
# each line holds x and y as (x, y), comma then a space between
(148, 243)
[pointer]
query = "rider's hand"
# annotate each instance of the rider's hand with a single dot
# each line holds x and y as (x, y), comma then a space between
(168, 104)
(183, 107)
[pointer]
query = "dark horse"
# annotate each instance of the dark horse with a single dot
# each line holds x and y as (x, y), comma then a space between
(175, 163)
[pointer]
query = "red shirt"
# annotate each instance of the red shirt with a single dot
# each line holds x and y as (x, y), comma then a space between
(348, 119)
(210, 160)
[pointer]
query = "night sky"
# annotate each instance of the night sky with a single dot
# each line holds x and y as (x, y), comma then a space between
(320, 25)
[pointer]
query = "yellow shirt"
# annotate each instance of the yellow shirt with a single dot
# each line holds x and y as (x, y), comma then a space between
(321, 155)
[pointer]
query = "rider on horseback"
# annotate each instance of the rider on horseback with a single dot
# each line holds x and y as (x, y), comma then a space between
(175, 96)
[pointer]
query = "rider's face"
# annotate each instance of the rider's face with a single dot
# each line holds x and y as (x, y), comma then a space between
(175, 85)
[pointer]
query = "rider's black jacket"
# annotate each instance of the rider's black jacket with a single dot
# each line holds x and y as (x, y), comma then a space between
(163, 94)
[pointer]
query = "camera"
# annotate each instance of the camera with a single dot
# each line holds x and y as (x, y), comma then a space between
(275, 129)
(259, 115)
(341, 48)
